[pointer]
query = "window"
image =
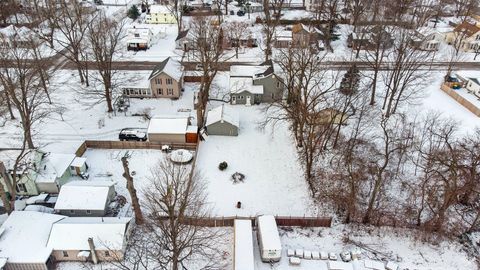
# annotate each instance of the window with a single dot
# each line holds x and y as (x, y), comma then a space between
(21, 187)
(169, 91)
(169, 81)
(240, 97)
(72, 211)
(158, 81)
(160, 91)
(278, 84)
(65, 254)
(107, 254)
(88, 212)
(137, 35)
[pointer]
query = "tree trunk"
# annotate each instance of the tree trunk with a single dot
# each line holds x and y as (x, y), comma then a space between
(9, 105)
(133, 192)
(3, 192)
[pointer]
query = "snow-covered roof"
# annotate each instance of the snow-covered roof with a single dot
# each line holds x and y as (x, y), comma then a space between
(159, 9)
(78, 162)
(240, 84)
(84, 195)
(72, 233)
(243, 259)
(246, 71)
(169, 66)
(270, 237)
(139, 35)
(168, 125)
(53, 166)
(223, 114)
(25, 236)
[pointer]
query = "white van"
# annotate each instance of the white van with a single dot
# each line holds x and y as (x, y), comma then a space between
(268, 239)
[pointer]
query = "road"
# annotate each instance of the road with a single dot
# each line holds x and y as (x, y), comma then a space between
(225, 66)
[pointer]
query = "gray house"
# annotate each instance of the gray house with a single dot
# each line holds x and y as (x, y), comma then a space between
(85, 198)
(255, 84)
(222, 121)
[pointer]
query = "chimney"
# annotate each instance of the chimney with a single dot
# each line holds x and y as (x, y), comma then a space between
(92, 250)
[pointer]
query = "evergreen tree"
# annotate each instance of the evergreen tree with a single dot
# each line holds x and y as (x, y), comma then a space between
(133, 12)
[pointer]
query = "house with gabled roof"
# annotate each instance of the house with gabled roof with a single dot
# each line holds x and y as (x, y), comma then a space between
(425, 38)
(303, 36)
(466, 35)
(254, 84)
(222, 121)
(165, 81)
(23, 239)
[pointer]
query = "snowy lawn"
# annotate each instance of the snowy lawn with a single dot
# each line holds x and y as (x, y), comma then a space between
(81, 116)
(107, 165)
(400, 245)
(274, 182)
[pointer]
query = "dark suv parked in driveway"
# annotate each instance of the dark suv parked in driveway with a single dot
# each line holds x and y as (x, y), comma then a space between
(132, 134)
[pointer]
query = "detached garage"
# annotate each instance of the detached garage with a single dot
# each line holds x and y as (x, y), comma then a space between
(223, 121)
(168, 130)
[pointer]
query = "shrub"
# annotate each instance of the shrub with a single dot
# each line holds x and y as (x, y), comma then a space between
(222, 166)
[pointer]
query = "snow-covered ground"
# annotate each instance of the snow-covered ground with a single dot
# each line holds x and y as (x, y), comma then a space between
(403, 246)
(274, 182)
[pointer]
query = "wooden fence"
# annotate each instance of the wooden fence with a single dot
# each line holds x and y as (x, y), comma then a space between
(458, 98)
(281, 221)
(130, 145)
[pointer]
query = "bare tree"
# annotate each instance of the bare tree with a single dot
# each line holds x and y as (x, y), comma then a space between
(72, 19)
(207, 39)
(327, 11)
(308, 101)
(394, 137)
(405, 75)
(272, 11)
(236, 31)
(175, 199)
(105, 35)
(24, 84)
(175, 8)
(44, 13)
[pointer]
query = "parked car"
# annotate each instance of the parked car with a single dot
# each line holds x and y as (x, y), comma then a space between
(132, 134)
(346, 256)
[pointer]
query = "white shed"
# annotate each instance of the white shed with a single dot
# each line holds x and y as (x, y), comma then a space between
(168, 130)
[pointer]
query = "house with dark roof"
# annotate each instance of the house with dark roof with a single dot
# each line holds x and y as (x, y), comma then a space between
(466, 35)
(368, 37)
(254, 84)
(165, 81)
(182, 42)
